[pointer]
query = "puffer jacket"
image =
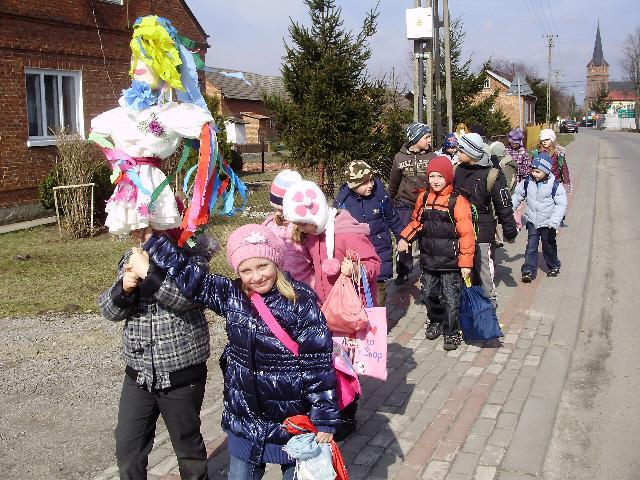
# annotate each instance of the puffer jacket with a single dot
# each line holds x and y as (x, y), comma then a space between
(408, 175)
(378, 212)
(543, 208)
(263, 382)
(446, 243)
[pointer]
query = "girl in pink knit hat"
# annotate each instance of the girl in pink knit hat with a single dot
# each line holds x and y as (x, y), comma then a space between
(297, 260)
(278, 359)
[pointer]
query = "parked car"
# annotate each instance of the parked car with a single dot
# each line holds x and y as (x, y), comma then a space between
(568, 126)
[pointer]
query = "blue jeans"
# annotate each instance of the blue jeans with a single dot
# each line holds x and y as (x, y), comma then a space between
(549, 249)
(241, 470)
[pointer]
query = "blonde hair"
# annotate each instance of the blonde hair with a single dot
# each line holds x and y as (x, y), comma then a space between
(297, 236)
(551, 150)
(278, 218)
(285, 288)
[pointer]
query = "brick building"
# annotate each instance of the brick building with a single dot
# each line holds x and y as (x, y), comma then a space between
(507, 100)
(61, 64)
(241, 93)
(597, 72)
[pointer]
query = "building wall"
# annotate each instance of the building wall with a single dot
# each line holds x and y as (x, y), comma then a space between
(507, 103)
(62, 35)
(596, 77)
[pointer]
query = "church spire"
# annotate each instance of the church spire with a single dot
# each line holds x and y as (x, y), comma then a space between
(598, 58)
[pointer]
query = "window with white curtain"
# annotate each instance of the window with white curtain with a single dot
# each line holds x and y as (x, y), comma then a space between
(54, 102)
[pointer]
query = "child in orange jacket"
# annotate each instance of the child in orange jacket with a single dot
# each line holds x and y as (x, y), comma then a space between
(443, 222)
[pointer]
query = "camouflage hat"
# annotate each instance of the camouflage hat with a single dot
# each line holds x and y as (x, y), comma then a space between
(358, 172)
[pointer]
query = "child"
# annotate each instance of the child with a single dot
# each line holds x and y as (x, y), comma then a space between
(330, 233)
(165, 342)
(516, 149)
(297, 260)
(264, 383)
(406, 178)
(546, 206)
(443, 223)
(486, 188)
(558, 156)
(450, 148)
(365, 198)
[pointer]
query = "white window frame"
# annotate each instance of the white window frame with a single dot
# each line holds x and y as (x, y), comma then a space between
(48, 140)
(115, 2)
(487, 83)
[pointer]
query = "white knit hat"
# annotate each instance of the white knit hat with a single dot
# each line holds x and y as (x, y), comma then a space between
(304, 202)
(547, 134)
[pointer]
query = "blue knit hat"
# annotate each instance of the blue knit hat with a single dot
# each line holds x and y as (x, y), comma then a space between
(542, 162)
(450, 141)
(415, 132)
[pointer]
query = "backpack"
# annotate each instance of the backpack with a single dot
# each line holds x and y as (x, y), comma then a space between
(510, 169)
(491, 177)
(453, 198)
(554, 187)
(559, 158)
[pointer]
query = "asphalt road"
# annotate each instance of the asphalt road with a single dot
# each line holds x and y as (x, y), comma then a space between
(597, 430)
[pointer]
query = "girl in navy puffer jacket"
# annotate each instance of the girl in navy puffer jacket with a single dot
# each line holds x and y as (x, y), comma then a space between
(264, 383)
(365, 198)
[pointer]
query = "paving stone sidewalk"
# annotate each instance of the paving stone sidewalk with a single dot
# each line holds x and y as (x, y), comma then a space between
(479, 412)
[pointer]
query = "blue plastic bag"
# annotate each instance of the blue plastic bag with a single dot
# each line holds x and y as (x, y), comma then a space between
(478, 319)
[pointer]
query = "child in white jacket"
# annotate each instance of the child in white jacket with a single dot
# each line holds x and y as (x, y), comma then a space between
(546, 207)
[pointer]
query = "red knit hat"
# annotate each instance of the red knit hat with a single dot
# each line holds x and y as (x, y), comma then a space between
(442, 165)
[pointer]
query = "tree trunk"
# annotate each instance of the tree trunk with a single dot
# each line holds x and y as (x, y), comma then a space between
(637, 112)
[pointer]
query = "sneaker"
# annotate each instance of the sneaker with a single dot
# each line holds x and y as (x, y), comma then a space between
(452, 341)
(527, 278)
(553, 272)
(401, 279)
(434, 330)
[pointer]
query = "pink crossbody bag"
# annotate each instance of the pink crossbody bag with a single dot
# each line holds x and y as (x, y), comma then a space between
(273, 324)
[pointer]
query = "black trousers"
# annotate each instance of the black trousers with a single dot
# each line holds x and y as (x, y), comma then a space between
(441, 295)
(137, 416)
(404, 260)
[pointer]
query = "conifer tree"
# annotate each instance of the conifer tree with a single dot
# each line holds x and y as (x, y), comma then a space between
(600, 104)
(332, 107)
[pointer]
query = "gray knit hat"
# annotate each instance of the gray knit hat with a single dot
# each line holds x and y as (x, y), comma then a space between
(472, 145)
(358, 172)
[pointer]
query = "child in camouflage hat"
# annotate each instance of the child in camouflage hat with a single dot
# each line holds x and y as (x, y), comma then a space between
(365, 198)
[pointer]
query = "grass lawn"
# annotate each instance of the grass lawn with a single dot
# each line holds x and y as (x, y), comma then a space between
(565, 139)
(55, 274)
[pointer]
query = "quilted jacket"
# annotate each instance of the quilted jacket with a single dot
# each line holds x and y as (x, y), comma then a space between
(543, 209)
(378, 212)
(263, 382)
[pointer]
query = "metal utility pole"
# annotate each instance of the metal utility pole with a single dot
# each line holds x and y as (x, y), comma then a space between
(447, 64)
(550, 45)
(429, 77)
(418, 75)
(436, 77)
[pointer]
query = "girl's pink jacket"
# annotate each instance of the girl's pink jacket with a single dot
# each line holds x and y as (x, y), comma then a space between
(349, 235)
(297, 259)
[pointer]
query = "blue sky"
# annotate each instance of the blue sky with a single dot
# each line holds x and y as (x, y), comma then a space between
(248, 35)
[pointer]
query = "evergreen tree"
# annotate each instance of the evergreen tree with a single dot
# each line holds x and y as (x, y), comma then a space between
(539, 88)
(574, 111)
(600, 104)
(465, 87)
(332, 106)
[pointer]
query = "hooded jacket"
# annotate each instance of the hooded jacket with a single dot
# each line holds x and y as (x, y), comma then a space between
(378, 212)
(446, 244)
(263, 382)
(471, 181)
(349, 235)
(543, 208)
(408, 175)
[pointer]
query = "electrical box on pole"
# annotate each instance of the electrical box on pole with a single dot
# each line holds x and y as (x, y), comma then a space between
(419, 23)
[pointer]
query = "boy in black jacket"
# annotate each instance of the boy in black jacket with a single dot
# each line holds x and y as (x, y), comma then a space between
(484, 186)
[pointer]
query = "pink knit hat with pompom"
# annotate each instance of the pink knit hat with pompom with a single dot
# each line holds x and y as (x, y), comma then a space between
(253, 241)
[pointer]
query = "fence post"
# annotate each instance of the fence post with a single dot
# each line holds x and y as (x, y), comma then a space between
(262, 148)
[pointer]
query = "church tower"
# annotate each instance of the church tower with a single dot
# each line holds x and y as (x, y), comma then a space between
(597, 71)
